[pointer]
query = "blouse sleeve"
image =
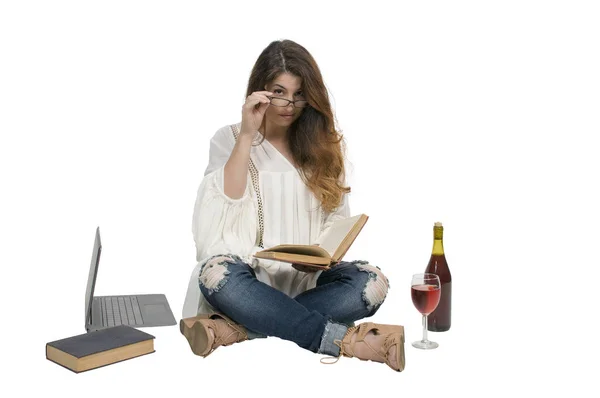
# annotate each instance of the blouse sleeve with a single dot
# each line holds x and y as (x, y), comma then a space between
(220, 224)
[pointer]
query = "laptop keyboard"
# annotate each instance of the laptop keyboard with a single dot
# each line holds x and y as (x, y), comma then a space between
(120, 311)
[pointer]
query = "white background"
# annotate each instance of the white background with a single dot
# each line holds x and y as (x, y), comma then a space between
(482, 115)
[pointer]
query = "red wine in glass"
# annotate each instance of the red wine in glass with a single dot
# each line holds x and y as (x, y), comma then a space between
(425, 298)
(425, 292)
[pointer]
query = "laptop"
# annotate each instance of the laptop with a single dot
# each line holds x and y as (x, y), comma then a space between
(142, 310)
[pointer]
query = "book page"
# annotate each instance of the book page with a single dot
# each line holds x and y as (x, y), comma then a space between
(307, 250)
(337, 232)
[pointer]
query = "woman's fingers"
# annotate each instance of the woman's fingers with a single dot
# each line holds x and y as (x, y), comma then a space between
(258, 97)
(263, 93)
(262, 108)
(254, 109)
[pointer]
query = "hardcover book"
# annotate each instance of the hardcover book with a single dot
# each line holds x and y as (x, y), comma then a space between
(334, 246)
(99, 348)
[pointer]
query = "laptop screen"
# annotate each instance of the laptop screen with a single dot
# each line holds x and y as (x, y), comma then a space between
(89, 291)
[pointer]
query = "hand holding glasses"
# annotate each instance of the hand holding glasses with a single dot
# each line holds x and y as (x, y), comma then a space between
(425, 292)
(256, 105)
(253, 112)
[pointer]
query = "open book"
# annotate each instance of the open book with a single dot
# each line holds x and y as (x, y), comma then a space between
(334, 246)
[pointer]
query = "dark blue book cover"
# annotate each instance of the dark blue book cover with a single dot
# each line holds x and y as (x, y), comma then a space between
(96, 342)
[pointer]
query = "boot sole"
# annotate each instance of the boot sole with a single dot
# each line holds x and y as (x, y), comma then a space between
(401, 359)
(197, 336)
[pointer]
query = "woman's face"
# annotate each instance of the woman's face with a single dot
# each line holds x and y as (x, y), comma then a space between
(286, 86)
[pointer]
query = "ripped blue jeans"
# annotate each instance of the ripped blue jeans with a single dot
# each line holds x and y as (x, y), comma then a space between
(314, 319)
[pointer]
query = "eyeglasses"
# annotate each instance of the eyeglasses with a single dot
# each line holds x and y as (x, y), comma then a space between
(282, 102)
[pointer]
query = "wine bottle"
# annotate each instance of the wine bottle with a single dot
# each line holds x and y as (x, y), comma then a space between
(439, 319)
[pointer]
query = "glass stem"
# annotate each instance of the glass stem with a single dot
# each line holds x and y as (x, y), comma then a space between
(424, 328)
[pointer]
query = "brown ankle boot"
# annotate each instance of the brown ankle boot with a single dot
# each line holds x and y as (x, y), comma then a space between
(196, 331)
(387, 336)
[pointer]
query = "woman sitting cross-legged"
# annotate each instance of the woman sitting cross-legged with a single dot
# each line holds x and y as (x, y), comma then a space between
(278, 177)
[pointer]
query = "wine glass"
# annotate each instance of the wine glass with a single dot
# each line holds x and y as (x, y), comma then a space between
(425, 292)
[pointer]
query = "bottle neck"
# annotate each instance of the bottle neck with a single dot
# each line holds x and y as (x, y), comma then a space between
(438, 241)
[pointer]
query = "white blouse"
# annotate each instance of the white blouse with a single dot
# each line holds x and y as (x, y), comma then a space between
(222, 225)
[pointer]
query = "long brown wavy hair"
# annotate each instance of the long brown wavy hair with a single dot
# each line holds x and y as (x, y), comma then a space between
(316, 146)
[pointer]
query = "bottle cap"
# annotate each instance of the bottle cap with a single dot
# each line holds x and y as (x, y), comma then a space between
(438, 224)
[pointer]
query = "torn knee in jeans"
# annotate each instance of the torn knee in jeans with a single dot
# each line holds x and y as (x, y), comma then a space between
(376, 287)
(214, 273)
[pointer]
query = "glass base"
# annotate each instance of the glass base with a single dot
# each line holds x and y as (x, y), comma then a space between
(425, 345)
